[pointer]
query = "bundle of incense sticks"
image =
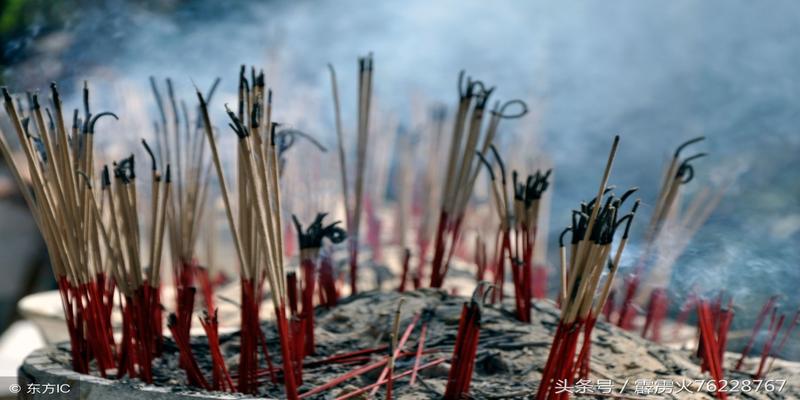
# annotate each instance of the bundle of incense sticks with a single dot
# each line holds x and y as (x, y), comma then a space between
(468, 139)
(523, 214)
(662, 246)
(353, 207)
(463, 361)
(258, 234)
(94, 248)
(593, 230)
(720, 320)
(141, 321)
(310, 242)
(180, 142)
(713, 343)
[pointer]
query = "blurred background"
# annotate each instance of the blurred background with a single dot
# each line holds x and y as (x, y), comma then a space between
(655, 73)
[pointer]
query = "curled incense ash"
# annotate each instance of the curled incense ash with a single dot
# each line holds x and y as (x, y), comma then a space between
(316, 232)
(286, 138)
(310, 242)
(466, 347)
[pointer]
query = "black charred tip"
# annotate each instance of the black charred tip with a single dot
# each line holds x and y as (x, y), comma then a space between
(694, 157)
(213, 88)
(237, 126)
(260, 80)
(483, 97)
(685, 173)
(515, 178)
(150, 153)
(168, 175)
(105, 177)
(25, 126)
(6, 95)
(627, 231)
(98, 116)
(51, 122)
(500, 162)
(200, 98)
(462, 90)
(686, 144)
(86, 98)
(85, 178)
(56, 95)
(635, 206)
(627, 194)
(561, 236)
(485, 162)
(502, 113)
(273, 133)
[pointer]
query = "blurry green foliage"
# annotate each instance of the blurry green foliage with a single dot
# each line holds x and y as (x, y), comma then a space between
(20, 19)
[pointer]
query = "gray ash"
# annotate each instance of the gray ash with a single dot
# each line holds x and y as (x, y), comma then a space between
(508, 363)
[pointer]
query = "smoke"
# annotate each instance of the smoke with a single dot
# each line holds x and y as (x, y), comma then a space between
(657, 75)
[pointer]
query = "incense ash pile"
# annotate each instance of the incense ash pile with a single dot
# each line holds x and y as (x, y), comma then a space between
(508, 362)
